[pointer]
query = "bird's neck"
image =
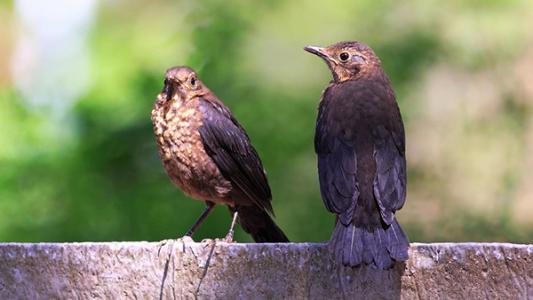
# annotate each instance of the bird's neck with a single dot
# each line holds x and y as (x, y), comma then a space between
(367, 74)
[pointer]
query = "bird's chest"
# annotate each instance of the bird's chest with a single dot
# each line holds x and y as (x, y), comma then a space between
(176, 128)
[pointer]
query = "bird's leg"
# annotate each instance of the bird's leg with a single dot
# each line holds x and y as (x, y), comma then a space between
(229, 236)
(208, 208)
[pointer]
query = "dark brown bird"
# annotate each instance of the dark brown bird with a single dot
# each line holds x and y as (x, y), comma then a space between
(207, 153)
(360, 144)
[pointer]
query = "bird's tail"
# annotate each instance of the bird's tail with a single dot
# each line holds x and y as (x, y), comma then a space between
(379, 247)
(258, 223)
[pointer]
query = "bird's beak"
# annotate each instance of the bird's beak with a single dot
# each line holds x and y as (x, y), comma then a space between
(168, 90)
(319, 51)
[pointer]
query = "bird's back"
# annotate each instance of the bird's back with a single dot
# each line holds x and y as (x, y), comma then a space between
(349, 112)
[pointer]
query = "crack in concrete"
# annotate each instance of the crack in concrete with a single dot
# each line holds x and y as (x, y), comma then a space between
(206, 267)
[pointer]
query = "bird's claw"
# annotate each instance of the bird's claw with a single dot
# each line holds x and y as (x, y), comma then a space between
(229, 237)
(186, 239)
(163, 243)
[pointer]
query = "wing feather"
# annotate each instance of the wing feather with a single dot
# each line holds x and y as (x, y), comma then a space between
(229, 146)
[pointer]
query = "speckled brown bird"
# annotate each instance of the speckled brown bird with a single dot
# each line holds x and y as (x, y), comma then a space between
(207, 153)
(360, 144)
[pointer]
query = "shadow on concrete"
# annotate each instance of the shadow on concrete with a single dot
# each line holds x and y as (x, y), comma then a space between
(369, 283)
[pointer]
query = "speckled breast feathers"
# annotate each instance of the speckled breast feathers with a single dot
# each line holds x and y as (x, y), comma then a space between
(176, 126)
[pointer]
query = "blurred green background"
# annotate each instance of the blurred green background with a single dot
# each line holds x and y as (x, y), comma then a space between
(78, 161)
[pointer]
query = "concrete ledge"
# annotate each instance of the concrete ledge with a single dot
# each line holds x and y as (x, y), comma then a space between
(183, 270)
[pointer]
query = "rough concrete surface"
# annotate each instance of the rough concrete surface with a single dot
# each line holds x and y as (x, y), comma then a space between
(185, 270)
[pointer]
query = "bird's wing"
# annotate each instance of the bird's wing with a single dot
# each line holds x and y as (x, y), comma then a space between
(226, 142)
(337, 165)
(391, 175)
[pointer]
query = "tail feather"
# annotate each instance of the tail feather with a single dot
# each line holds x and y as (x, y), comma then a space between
(258, 223)
(398, 241)
(379, 247)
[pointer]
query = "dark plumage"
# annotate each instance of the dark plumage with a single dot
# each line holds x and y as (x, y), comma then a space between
(360, 144)
(207, 153)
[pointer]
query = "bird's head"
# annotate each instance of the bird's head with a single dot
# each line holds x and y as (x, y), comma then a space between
(348, 60)
(182, 83)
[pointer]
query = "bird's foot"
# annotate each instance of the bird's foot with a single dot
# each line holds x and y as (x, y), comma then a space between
(189, 233)
(186, 239)
(163, 243)
(231, 231)
(229, 237)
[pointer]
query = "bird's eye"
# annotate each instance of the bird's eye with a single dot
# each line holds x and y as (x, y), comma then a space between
(193, 81)
(344, 56)
(166, 81)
